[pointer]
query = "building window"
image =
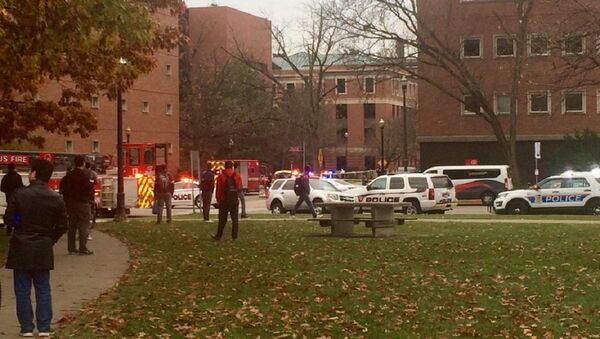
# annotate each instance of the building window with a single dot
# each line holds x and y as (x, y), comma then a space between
(290, 86)
(471, 47)
(505, 46)
(123, 104)
(573, 102)
(369, 85)
(502, 104)
(370, 162)
(538, 45)
(370, 111)
(146, 107)
(340, 86)
(369, 134)
(539, 102)
(341, 134)
(341, 111)
(95, 146)
(168, 70)
(573, 45)
(169, 109)
(393, 111)
(470, 105)
(69, 146)
(95, 102)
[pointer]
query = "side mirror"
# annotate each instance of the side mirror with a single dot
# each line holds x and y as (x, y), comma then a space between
(369, 187)
(535, 187)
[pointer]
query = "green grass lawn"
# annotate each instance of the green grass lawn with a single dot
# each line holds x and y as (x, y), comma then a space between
(287, 278)
(284, 277)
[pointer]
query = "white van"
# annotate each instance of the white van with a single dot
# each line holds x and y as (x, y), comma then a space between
(477, 182)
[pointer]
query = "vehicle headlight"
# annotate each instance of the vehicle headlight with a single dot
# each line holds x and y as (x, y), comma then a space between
(501, 195)
(333, 196)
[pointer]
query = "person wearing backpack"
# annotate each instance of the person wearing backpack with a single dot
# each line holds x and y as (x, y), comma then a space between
(163, 192)
(229, 184)
(302, 190)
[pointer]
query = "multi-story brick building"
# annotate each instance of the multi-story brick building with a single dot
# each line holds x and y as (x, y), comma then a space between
(358, 98)
(483, 34)
(150, 110)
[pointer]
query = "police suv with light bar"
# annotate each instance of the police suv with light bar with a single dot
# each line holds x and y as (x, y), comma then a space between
(568, 192)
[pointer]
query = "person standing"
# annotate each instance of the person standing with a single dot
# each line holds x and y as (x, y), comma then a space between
(40, 219)
(207, 186)
(302, 190)
(11, 181)
(228, 188)
(163, 192)
(77, 190)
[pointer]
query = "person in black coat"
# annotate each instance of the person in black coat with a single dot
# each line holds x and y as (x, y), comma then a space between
(39, 218)
(11, 182)
(77, 189)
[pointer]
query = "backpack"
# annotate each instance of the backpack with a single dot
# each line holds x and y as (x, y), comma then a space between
(163, 183)
(231, 191)
(298, 186)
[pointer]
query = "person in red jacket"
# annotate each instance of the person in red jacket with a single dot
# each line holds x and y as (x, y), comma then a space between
(229, 184)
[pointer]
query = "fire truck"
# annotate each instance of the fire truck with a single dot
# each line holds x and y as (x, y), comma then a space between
(106, 187)
(141, 160)
(249, 171)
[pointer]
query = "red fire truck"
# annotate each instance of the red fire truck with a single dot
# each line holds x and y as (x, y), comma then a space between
(249, 171)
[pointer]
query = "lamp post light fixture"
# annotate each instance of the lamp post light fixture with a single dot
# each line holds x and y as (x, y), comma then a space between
(381, 125)
(346, 155)
(404, 82)
(120, 214)
(128, 133)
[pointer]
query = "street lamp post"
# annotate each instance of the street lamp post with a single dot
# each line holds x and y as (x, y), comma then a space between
(381, 125)
(404, 82)
(346, 155)
(120, 212)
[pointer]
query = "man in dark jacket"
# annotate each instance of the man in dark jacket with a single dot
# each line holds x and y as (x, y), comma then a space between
(77, 190)
(304, 192)
(207, 185)
(163, 192)
(228, 188)
(39, 218)
(11, 181)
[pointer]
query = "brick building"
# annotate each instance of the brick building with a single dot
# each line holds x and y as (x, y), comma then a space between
(218, 32)
(150, 110)
(548, 106)
(359, 97)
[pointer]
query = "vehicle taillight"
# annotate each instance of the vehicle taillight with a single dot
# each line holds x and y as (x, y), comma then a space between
(431, 194)
(506, 184)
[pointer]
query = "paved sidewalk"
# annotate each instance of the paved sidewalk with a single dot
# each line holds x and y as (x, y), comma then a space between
(75, 279)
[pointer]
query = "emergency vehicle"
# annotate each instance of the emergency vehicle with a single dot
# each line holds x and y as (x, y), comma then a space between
(568, 192)
(249, 171)
(106, 187)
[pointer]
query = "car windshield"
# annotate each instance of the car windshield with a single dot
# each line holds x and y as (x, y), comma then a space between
(322, 185)
(441, 182)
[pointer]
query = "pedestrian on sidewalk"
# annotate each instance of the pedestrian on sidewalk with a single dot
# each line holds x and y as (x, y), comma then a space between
(207, 186)
(77, 190)
(164, 186)
(302, 190)
(242, 193)
(11, 182)
(39, 217)
(228, 188)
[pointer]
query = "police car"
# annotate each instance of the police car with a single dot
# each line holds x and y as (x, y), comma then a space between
(186, 192)
(568, 192)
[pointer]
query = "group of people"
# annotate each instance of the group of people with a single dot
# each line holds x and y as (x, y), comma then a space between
(36, 217)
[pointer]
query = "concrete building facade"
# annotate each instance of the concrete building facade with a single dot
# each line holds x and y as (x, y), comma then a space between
(549, 106)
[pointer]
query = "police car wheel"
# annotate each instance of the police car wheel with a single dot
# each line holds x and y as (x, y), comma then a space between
(517, 207)
(198, 201)
(318, 209)
(593, 208)
(413, 209)
(276, 207)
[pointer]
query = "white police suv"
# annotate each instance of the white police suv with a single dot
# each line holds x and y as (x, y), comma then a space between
(568, 192)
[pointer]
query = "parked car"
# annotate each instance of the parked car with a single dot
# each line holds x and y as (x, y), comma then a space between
(429, 193)
(566, 193)
(281, 197)
(482, 182)
(187, 193)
